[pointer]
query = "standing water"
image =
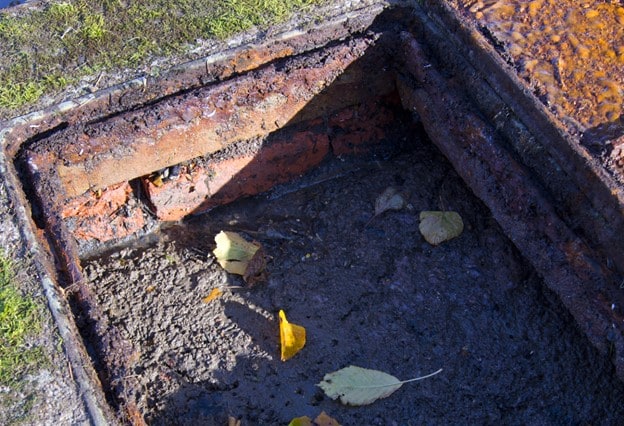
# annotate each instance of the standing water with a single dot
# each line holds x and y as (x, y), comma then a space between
(571, 52)
(9, 3)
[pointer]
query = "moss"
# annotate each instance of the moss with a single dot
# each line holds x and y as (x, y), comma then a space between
(14, 95)
(20, 322)
(44, 50)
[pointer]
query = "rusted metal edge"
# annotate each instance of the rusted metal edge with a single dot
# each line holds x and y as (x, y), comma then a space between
(516, 202)
(207, 119)
(569, 201)
(595, 183)
(66, 255)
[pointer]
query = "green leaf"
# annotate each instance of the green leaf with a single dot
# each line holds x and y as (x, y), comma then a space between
(437, 226)
(361, 386)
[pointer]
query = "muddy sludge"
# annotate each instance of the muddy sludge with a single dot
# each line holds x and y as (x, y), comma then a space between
(372, 294)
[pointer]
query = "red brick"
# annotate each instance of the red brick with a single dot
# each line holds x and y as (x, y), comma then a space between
(105, 216)
(174, 199)
(357, 130)
(202, 122)
(221, 181)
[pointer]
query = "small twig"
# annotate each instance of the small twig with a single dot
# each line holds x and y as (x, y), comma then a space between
(67, 31)
(369, 221)
(97, 82)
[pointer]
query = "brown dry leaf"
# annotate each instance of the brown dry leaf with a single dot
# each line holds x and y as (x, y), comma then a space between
(256, 268)
(324, 420)
(239, 256)
(321, 420)
(212, 296)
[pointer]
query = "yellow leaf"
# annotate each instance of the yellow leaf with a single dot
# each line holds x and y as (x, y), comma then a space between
(292, 337)
(238, 256)
(437, 226)
(301, 421)
(361, 386)
(157, 181)
(324, 420)
(212, 296)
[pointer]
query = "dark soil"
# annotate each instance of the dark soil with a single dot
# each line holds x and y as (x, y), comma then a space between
(372, 294)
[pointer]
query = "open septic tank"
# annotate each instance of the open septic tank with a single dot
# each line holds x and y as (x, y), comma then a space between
(291, 143)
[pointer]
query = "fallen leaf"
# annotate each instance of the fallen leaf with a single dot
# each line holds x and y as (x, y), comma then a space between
(292, 337)
(156, 180)
(324, 420)
(301, 421)
(321, 420)
(438, 226)
(390, 199)
(256, 268)
(212, 296)
(361, 386)
(239, 256)
(233, 421)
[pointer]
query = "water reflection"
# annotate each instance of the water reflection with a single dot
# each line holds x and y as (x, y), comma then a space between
(9, 3)
(571, 52)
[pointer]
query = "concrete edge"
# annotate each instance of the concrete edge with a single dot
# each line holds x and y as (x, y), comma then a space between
(84, 375)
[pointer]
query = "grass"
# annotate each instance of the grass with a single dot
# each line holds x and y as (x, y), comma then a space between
(43, 51)
(20, 322)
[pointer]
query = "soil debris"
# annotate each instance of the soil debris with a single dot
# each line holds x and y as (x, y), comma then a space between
(378, 295)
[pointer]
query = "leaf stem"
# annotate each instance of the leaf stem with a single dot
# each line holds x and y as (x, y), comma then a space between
(422, 377)
(399, 382)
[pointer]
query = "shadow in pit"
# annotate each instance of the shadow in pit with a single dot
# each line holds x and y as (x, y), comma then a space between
(207, 407)
(353, 115)
(606, 142)
(201, 402)
(358, 115)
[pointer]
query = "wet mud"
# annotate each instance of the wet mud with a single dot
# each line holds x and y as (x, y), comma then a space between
(370, 292)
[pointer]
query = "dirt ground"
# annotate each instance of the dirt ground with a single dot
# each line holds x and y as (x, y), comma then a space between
(371, 293)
